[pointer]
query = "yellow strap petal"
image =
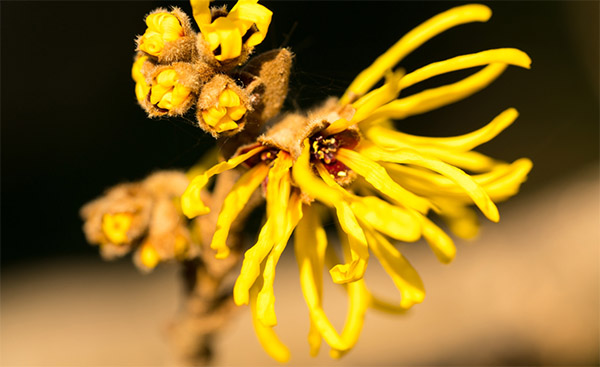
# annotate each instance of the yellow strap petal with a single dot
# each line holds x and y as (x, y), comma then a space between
(251, 265)
(278, 192)
(508, 185)
(354, 270)
(233, 205)
(201, 11)
(250, 13)
(358, 302)
(376, 175)
(368, 103)
(191, 203)
(355, 319)
(413, 39)
(462, 143)
(266, 296)
(471, 188)
(404, 276)
(509, 56)
(442, 245)
(266, 335)
(431, 99)
(394, 221)
(461, 220)
(310, 242)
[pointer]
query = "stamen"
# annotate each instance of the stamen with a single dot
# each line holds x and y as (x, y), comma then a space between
(324, 149)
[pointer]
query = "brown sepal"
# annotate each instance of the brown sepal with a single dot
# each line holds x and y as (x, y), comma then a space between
(192, 76)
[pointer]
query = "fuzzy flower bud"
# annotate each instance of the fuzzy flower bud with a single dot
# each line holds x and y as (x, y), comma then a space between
(162, 28)
(141, 87)
(115, 227)
(166, 92)
(224, 115)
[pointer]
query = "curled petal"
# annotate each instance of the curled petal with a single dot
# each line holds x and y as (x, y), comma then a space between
(191, 203)
(266, 335)
(233, 205)
(266, 296)
(404, 276)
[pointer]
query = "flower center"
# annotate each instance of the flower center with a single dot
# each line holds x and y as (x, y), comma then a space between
(324, 148)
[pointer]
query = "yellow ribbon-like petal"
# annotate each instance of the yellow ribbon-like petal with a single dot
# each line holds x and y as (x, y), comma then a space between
(434, 98)
(413, 39)
(368, 103)
(223, 33)
(233, 205)
(394, 221)
(201, 11)
(404, 276)
(310, 244)
(376, 175)
(462, 143)
(266, 335)
(191, 203)
(442, 245)
(249, 12)
(471, 188)
(266, 296)
(510, 56)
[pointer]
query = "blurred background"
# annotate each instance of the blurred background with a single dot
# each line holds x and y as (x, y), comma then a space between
(526, 292)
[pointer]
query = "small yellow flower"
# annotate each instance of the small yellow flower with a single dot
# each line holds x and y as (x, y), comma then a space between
(376, 183)
(166, 92)
(149, 257)
(162, 28)
(224, 115)
(245, 26)
(141, 87)
(115, 227)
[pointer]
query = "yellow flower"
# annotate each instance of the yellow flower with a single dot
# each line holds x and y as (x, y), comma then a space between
(149, 257)
(246, 25)
(227, 111)
(141, 87)
(377, 184)
(115, 227)
(162, 28)
(166, 92)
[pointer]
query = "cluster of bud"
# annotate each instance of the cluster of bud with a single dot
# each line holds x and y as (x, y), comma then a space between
(177, 69)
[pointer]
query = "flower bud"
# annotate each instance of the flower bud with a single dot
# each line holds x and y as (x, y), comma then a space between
(141, 86)
(222, 106)
(173, 88)
(169, 36)
(162, 28)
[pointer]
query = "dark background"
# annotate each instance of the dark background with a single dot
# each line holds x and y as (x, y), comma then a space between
(71, 126)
